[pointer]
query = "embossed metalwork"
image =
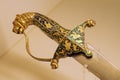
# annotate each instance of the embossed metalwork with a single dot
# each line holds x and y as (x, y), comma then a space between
(71, 42)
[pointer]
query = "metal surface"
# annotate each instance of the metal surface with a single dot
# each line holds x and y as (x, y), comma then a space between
(99, 66)
(71, 42)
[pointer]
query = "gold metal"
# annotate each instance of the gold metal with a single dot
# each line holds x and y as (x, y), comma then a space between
(21, 22)
(71, 42)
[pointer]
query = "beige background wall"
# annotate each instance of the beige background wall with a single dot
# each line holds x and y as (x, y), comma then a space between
(16, 64)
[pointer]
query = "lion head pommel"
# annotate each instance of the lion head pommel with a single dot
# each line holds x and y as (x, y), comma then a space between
(21, 22)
